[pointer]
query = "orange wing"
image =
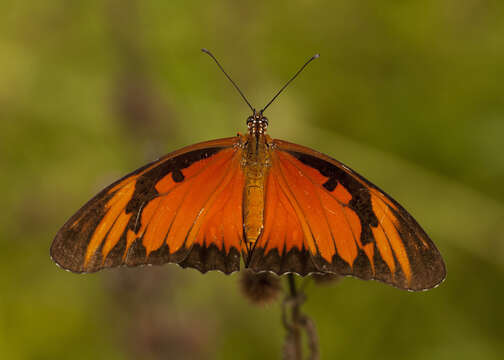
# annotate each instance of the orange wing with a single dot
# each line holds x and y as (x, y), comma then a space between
(320, 216)
(184, 208)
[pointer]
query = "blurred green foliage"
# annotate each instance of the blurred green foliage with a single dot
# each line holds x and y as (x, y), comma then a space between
(407, 93)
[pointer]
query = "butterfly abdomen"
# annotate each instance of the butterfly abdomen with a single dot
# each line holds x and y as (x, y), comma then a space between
(255, 163)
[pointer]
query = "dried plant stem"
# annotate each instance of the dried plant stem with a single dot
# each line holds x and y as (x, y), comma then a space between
(295, 328)
(293, 348)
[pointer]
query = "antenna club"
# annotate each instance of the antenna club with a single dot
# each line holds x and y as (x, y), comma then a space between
(316, 56)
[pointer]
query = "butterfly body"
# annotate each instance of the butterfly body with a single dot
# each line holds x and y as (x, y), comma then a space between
(256, 161)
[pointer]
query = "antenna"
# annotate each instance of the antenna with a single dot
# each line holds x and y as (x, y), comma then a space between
(225, 73)
(316, 56)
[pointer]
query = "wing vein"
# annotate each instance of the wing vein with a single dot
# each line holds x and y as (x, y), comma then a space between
(211, 199)
(317, 185)
(319, 200)
(405, 267)
(342, 205)
(176, 186)
(291, 200)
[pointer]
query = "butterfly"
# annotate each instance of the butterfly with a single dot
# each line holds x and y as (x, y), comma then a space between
(273, 205)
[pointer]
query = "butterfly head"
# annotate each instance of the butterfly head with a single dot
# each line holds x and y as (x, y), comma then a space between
(257, 123)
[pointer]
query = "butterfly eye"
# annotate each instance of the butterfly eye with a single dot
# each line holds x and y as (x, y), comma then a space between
(265, 120)
(250, 119)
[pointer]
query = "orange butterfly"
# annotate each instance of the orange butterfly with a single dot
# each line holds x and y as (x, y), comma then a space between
(282, 207)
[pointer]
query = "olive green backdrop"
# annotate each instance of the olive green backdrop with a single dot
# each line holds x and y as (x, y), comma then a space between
(408, 93)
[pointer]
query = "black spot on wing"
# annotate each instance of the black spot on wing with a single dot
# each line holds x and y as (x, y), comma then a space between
(145, 186)
(177, 176)
(330, 184)
(145, 189)
(334, 173)
(361, 198)
(361, 203)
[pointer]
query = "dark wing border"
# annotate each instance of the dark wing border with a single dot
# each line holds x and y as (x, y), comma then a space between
(71, 242)
(427, 266)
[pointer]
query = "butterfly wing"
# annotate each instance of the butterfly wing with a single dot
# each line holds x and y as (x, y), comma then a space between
(184, 208)
(321, 216)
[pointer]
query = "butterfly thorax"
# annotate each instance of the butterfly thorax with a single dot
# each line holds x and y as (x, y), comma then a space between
(256, 161)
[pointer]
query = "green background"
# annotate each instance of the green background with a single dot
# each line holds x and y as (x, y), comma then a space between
(409, 93)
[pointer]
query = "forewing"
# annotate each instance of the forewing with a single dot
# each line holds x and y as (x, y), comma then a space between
(183, 208)
(336, 221)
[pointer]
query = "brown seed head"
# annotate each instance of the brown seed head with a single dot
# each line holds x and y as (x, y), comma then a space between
(260, 288)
